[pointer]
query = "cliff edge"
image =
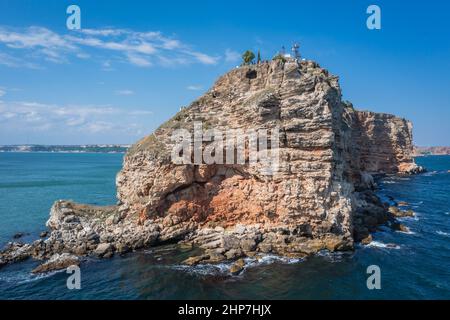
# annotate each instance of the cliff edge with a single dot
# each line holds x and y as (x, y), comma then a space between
(318, 197)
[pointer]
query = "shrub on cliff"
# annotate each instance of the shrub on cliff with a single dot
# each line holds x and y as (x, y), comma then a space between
(248, 57)
(279, 57)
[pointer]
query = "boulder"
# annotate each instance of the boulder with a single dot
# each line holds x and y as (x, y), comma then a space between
(367, 240)
(104, 250)
(237, 267)
(58, 262)
(400, 227)
(394, 210)
(195, 260)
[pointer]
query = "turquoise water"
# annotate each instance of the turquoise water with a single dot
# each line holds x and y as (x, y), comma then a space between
(416, 268)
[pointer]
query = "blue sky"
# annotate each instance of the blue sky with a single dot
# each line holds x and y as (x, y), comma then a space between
(134, 63)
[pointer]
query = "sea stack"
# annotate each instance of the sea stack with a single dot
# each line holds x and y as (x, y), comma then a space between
(320, 197)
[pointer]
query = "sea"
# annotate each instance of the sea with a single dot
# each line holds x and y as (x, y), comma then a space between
(412, 265)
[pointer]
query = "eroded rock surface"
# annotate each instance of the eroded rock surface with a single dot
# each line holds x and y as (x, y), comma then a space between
(319, 198)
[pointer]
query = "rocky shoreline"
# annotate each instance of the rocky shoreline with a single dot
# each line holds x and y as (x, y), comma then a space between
(78, 231)
(321, 197)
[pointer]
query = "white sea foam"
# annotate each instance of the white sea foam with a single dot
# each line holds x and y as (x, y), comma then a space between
(332, 256)
(224, 268)
(270, 258)
(377, 244)
(407, 232)
(442, 233)
(204, 269)
(25, 277)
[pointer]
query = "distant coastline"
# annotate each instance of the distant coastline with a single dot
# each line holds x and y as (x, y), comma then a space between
(122, 148)
(431, 151)
(92, 148)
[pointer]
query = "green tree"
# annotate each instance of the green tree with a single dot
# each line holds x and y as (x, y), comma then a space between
(248, 57)
(259, 58)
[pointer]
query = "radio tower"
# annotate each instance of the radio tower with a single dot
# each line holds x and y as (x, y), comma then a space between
(295, 51)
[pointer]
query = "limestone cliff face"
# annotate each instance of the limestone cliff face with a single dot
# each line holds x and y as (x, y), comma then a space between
(309, 197)
(317, 198)
(384, 143)
(325, 146)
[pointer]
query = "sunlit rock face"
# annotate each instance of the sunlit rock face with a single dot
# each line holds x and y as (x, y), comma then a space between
(319, 196)
(307, 203)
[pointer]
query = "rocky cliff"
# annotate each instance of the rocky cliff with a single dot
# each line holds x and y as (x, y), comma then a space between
(318, 197)
(384, 143)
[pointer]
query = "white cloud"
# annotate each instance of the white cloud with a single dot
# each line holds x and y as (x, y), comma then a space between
(142, 49)
(2, 92)
(34, 37)
(232, 56)
(140, 113)
(99, 126)
(194, 87)
(14, 62)
(106, 66)
(138, 60)
(125, 92)
(203, 58)
(39, 117)
(83, 55)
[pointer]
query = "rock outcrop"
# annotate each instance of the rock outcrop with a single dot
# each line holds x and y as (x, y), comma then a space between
(318, 197)
(383, 143)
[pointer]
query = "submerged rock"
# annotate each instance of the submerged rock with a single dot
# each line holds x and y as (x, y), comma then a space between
(195, 260)
(400, 227)
(396, 212)
(237, 267)
(367, 240)
(18, 235)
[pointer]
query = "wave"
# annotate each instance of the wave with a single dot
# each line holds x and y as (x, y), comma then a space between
(414, 218)
(407, 232)
(332, 256)
(377, 244)
(25, 277)
(429, 174)
(271, 258)
(223, 269)
(442, 233)
(204, 269)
